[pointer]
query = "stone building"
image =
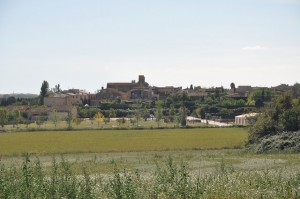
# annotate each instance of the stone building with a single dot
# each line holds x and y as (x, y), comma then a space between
(125, 91)
(66, 101)
(163, 92)
(129, 91)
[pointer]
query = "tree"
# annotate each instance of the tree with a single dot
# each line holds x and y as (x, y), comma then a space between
(39, 120)
(10, 100)
(44, 91)
(138, 114)
(240, 102)
(132, 121)
(259, 103)
(172, 113)
(296, 90)
(121, 121)
(112, 113)
(159, 103)
(76, 121)
(281, 115)
(198, 111)
(232, 86)
(12, 118)
(18, 117)
(55, 118)
(69, 119)
(145, 113)
(259, 96)
(182, 116)
(57, 88)
(118, 100)
(99, 117)
(290, 120)
(191, 87)
(3, 117)
(158, 115)
(27, 115)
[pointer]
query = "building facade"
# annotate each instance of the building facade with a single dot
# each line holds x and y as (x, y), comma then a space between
(245, 119)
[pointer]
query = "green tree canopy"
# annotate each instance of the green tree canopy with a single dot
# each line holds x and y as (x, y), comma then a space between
(283, 114)
(260, 96)
(69, 119)
(3, 116)
(232, 86)
(44, 91)
(182, 116)
(158, 115)
(112, 113)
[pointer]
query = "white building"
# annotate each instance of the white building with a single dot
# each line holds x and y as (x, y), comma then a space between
(243, 120)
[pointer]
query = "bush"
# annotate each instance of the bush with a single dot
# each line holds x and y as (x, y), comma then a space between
(286, 141)
(283, 114)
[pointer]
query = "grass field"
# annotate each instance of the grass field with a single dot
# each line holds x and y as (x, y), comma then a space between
(165, 163)
(222, 173)
(99, 141)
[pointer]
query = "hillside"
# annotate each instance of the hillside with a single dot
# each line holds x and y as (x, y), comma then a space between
(19, 95)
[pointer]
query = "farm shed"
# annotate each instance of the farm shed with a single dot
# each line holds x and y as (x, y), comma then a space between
(244, 119)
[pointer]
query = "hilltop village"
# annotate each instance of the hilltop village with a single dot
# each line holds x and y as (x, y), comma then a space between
(137, 99)
(130, 92)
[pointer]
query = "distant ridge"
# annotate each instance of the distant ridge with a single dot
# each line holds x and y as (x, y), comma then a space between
(19, 95)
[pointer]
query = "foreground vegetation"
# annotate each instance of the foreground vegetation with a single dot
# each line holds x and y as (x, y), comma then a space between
(167, 163)
(277, 128)
(281, 142)
(217, 174)
(55, 142)
(283, 114)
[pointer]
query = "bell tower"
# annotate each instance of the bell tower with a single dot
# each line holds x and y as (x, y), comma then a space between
(141, 80)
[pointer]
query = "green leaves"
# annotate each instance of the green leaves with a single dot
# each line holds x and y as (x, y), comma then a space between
(283, 114)
(44, 91)
(3, 117)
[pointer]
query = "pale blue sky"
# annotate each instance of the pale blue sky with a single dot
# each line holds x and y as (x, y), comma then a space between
(85, 44)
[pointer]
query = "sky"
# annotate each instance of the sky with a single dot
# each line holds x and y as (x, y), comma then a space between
(85, 44)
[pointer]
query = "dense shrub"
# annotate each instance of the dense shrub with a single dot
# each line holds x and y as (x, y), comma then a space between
(283, 114)
(286, 141)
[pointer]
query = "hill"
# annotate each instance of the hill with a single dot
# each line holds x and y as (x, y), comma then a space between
(19, 95)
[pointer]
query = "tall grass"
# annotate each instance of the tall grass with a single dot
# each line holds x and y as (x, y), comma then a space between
(169, 180)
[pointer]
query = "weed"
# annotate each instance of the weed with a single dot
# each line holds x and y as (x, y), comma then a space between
(169, 180)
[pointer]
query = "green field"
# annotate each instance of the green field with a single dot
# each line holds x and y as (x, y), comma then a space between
(161, 163)
(99, 141)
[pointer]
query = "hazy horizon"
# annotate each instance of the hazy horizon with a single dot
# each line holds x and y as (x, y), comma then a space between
(80, 44)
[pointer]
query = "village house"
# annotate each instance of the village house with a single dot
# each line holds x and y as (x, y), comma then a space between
(241, 92)
(127, 91)
(164, 92)
(68, 98)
